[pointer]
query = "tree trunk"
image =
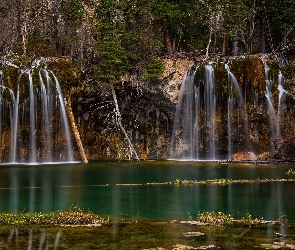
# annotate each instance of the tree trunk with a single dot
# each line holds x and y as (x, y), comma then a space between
(224, 44)
(167, 37)
(210, 34)
(24, 34)
(74, 129)
(284, 39)
(263, 38)
(55, 36)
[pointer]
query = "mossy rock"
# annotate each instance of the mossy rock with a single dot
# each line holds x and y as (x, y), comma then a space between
(288, 71)
(221, 77)
(200, 74)
(250, 70)
(10, 76)
(67, 75)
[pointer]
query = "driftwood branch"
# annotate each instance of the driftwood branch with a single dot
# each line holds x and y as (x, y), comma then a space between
(119, 122)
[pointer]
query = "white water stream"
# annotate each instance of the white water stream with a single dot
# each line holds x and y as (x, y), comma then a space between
(39, 128)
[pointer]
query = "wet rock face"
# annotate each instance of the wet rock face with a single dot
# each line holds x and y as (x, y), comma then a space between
(148, 111)
(33, 122)
(146, 114)
(244, 106)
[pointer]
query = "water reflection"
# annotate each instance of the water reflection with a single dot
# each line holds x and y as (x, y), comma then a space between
(92, 186)
(35, 239)
(139, 235)
(12, 233)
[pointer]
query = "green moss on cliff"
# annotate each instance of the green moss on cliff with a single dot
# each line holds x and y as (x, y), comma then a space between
(221, 77)
(249, 70)
(67, 75)
(200, 74)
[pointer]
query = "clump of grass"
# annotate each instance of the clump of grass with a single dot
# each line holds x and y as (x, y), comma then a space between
(220, 181)
(215, 218)
(227, 219)
(246, 219)
(290, 172)
(73, 216)
(267, 246)
(223, 181)
(182, 182)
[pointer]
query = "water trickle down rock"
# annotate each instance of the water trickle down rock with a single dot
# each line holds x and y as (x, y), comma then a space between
(33, 123)
(219, 114)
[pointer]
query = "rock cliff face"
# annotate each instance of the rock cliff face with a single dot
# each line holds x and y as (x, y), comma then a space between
(136, 119)
(147, 111)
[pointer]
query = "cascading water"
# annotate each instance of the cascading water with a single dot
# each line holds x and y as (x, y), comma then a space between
(275, 114)
(210, 110)
(46, 101)
(272, 116)
(188, 119)
(235, 101)
(196, 106)
(14, 123)
(217, 116)
(281, 97)
(38, 129)
(64, 120)
(32, 158)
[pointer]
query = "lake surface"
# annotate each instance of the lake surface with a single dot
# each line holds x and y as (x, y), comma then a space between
(93, 187)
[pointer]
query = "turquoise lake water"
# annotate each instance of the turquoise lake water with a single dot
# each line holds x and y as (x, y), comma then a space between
(93, 187)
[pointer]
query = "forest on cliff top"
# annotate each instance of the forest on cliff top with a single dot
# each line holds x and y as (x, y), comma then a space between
(110, 37)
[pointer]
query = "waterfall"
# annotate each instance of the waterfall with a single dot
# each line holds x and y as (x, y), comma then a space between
(32, 121)
(210, 110)
(233, 85)
(64, 119)
(217, 116)
(272, 116)
(38, 128)
(281, 97)
(282, 94)
(14, 123)
(196, 106)
(46, 101)
(186, 117)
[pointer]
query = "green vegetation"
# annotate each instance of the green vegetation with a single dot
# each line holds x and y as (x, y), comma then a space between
(73, 216)
(290, 172)
(73, 10)
(76, 216)
(132, 35)
(153, 68)
(227, 219)
(218, 230)
(200, 74)
(214, 218)
(111, 60)
(225, 181)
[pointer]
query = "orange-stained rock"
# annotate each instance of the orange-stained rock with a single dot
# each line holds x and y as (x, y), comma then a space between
(264, 156)
(244, 156)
